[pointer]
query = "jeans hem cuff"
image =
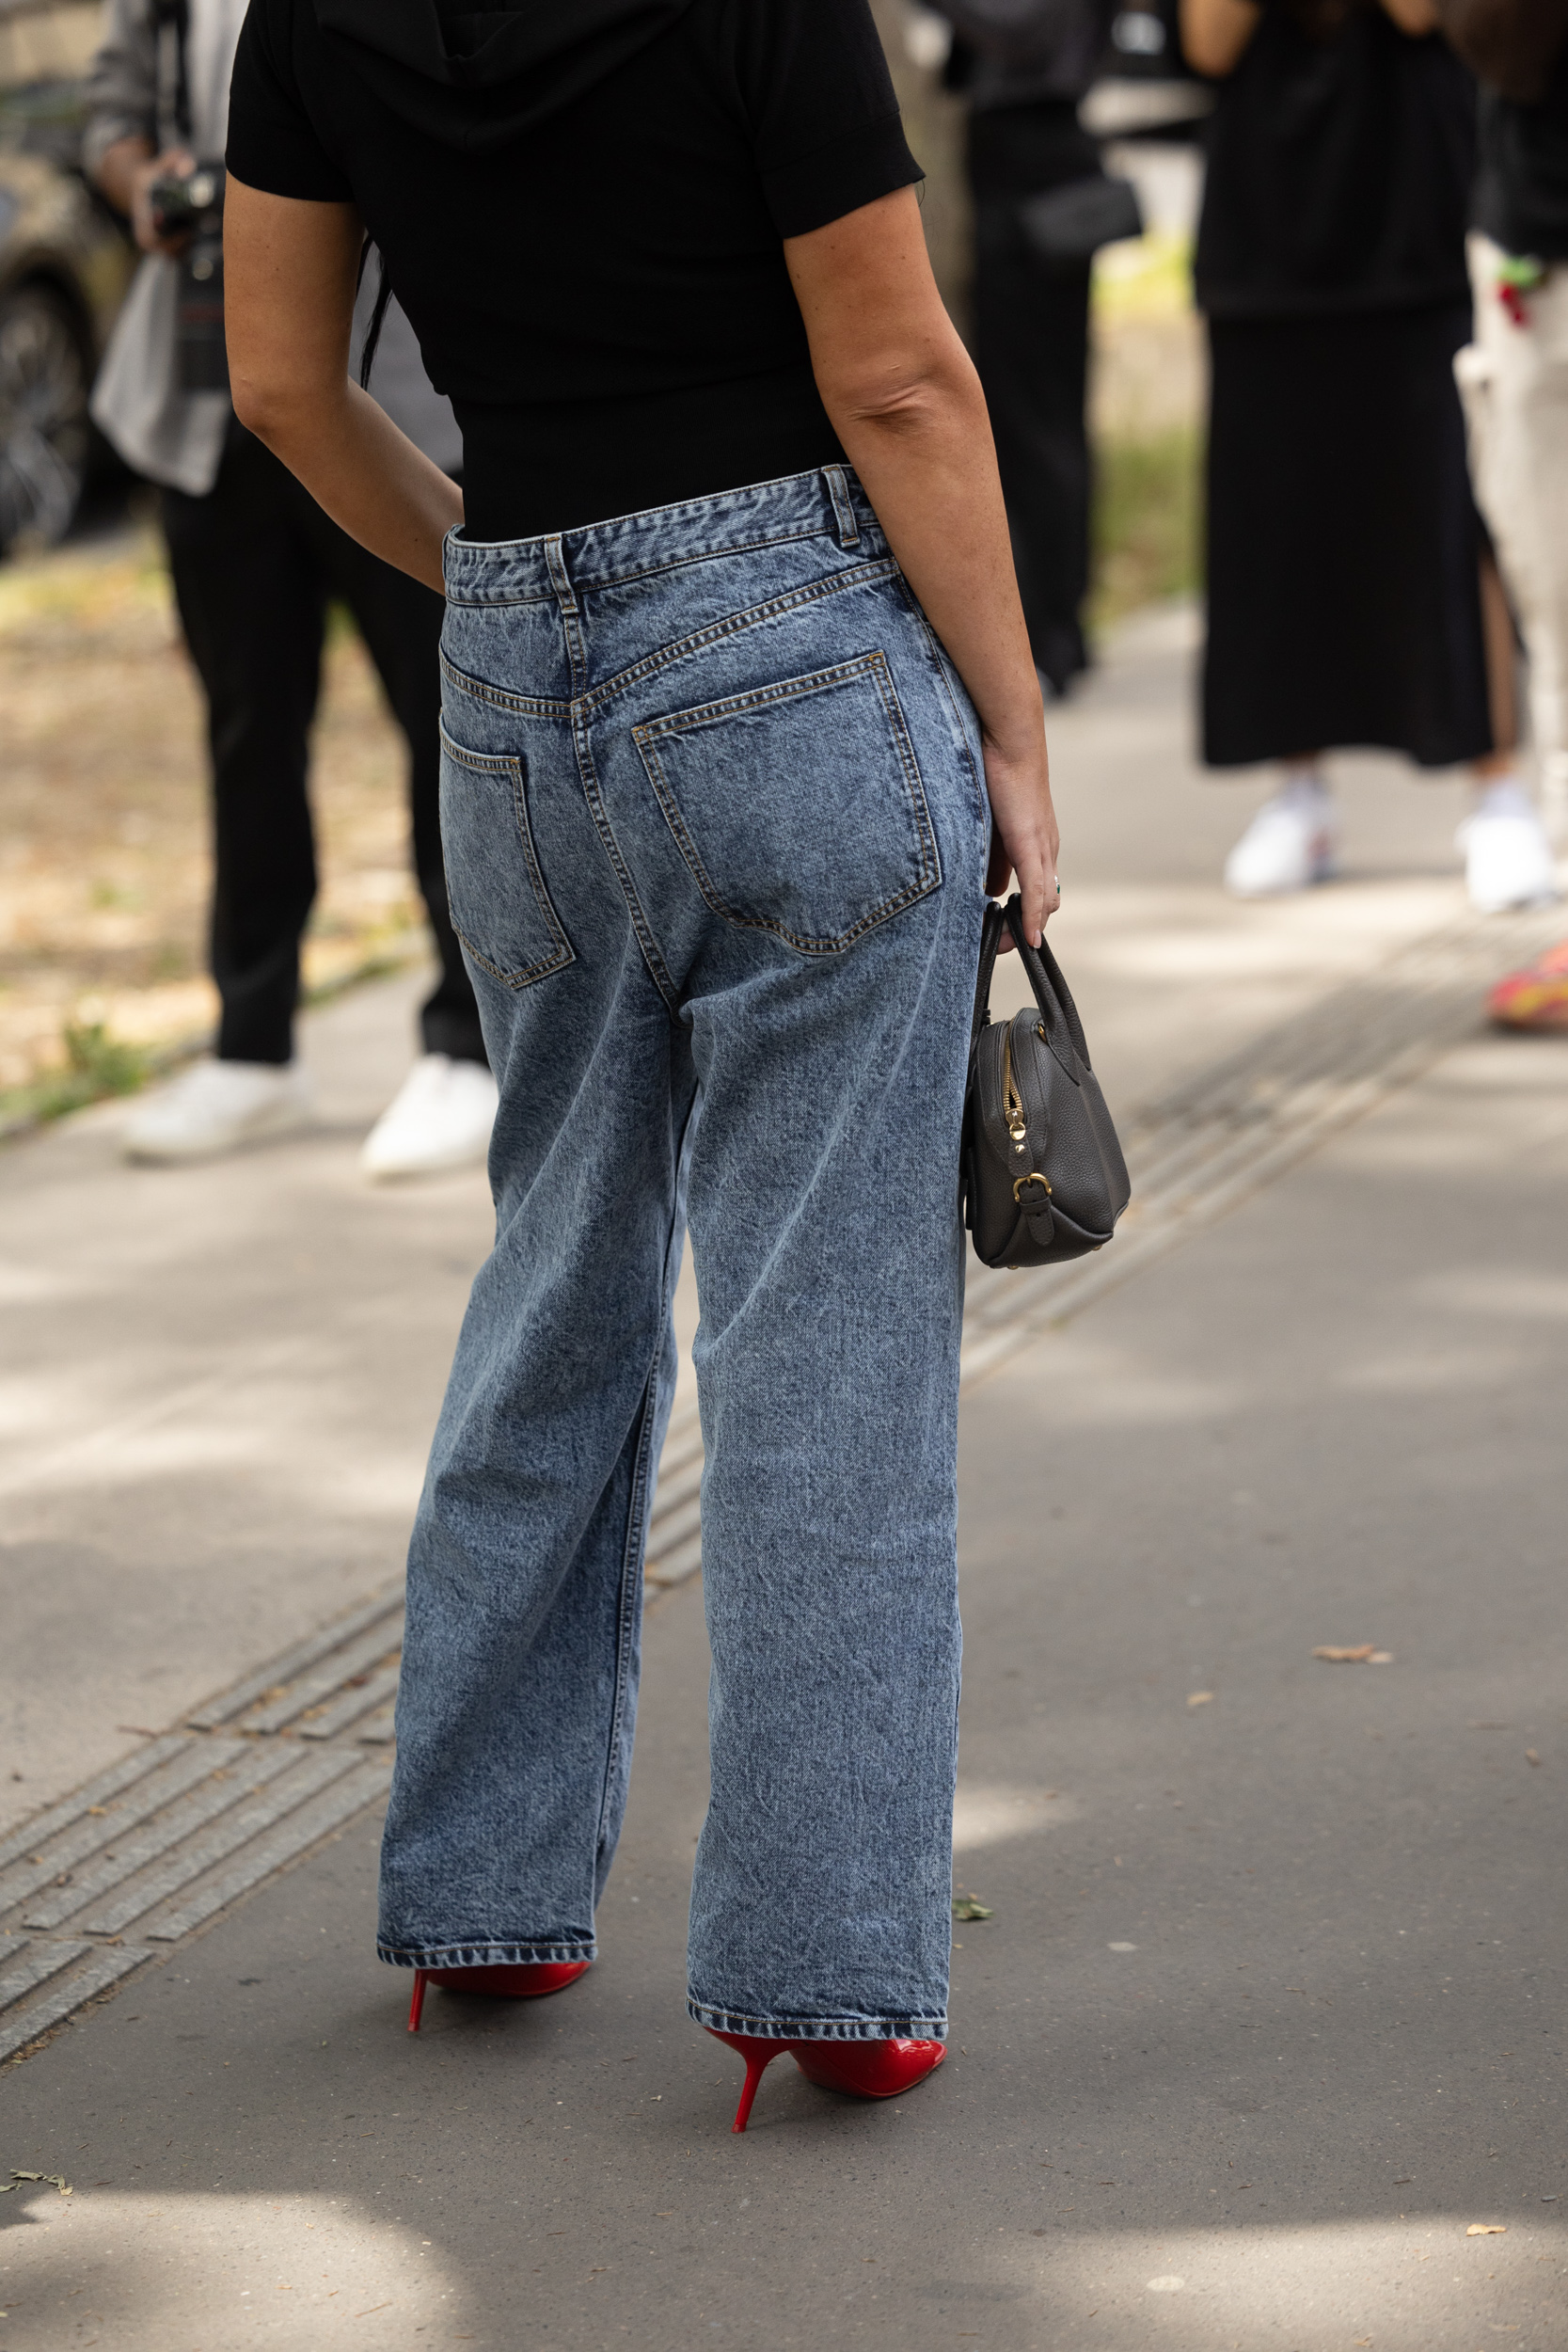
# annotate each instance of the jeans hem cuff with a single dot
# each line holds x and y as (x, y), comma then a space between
(817, 2028)
(488, 1955)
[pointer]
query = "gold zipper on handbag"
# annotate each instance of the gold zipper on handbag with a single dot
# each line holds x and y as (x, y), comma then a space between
(1013, 1101)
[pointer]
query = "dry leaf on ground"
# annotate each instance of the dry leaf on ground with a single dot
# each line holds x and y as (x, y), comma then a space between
(1200, 1698)
(1365, 1653)
(1487, 2228)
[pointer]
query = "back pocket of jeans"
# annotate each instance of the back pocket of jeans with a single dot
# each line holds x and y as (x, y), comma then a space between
(798, 807)
(501, 909)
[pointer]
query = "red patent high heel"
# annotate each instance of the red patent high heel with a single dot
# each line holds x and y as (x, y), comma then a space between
(869, 2070)
(523, 1982)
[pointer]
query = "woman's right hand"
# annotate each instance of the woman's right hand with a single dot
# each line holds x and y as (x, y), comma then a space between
(1024, 839)
(127, 174)
(176, 163)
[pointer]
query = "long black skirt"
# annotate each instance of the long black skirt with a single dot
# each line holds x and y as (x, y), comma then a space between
(1344, 544)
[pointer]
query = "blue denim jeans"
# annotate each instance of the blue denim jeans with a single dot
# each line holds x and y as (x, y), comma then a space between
(716, 830)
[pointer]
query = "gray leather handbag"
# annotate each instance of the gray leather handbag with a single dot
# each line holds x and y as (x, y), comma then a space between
(1071, 223)
(1043, 1175)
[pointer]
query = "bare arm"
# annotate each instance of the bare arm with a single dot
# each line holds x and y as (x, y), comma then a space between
(1214, 34)
(906, 406)
(290, 269)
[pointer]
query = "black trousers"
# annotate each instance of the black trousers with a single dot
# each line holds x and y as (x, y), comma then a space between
(1031, 348)
(254, 564)
(1344, 544)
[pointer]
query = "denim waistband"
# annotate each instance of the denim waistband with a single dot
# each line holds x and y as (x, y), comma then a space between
(829, 500)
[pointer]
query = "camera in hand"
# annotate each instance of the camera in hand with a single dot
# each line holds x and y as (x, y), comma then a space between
(190, 204)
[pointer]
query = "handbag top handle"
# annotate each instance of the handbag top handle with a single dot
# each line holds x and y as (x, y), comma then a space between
(1044, 974)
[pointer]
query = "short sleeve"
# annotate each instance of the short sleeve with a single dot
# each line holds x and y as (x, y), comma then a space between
(273, 144)
(816, 88)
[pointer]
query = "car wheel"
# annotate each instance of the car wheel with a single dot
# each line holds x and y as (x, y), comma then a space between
(45, 437)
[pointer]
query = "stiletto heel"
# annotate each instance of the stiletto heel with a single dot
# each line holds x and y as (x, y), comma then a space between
(868, 2070)
(524, 1982)
(759, 2055)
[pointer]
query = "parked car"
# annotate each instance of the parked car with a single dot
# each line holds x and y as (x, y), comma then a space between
(65, 263)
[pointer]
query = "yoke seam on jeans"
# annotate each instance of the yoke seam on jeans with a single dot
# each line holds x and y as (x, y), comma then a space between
(594, 698)
(527, 706)
(733, 625)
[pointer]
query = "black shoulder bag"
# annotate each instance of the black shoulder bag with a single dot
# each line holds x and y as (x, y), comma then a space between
(1043, 1175)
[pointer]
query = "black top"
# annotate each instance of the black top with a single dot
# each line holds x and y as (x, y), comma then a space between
(1522, 196)
(1339, 173)
(588, 242)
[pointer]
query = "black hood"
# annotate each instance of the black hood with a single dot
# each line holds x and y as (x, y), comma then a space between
(475, 76)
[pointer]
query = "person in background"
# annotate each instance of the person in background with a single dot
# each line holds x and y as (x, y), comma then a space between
(1352, 595)
(1023, 65)
(1515, 381)
(254, 563)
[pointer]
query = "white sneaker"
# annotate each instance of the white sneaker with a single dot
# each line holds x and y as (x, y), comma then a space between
(216, 1106)
(1508, 858)
(440, 1117)
(1289, 845)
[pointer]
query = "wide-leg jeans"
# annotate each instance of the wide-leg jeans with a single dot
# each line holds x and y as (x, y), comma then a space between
(716, 830)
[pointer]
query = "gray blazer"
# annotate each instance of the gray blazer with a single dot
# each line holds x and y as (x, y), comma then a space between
(171, 436)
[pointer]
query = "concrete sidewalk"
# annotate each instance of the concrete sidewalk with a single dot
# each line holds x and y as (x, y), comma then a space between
(219, 1382)
(1250, 2090)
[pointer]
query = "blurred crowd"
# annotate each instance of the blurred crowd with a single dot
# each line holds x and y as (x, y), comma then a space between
(1379, 262)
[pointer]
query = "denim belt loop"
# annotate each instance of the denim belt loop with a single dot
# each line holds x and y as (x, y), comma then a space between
(843, 513)
(560, 579)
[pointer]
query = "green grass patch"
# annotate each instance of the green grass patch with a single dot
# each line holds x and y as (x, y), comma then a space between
(1147, 522)
(96, 1065)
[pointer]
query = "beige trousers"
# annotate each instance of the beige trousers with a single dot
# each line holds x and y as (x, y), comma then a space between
(1514, 381)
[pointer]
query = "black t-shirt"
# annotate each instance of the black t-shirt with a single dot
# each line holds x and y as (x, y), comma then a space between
(602, 294)
(1521, 196)
(1339, 173)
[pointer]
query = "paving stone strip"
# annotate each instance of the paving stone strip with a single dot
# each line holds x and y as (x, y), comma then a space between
(267, 1679)
(229, 1774)
(366, 1786)
(27, 1839)
(199, 1816)
(1203, 1149)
